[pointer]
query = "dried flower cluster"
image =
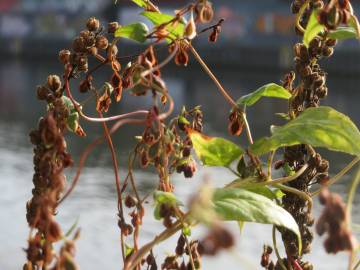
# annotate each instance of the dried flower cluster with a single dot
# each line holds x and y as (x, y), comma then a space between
(334, 221)
(50, 159)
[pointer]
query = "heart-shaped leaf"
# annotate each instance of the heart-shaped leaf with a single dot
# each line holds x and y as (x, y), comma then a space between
(319, 127)
(235, 204)
(214, 151)
(268, 90)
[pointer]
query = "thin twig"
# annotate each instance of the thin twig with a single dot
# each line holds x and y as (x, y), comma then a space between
(136, 257)
(212, 76)
(276, 249)
(281, 180)
(298, 192)
(299, 15)
(351, 194)
(269, 163)
(84, 155)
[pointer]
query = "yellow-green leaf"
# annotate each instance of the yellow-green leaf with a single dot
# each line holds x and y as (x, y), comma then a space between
(268, 90)
(235, 204)
(135, 31)
(214, 151)
(319, 127)
(313, 28)
(341, 33)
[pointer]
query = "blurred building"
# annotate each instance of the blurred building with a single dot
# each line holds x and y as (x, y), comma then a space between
(46, 26)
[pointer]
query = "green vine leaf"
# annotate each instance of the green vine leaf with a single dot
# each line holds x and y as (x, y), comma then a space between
(140, 3)
(234, 204)
(346, 32)
(342, 33)
(72, 122)
(313, 28)
(319, 127)
(162, 197)
(72, 228)
(268, 90)
(214, 151)
(157, 18)
(265, 191)
(135, 31)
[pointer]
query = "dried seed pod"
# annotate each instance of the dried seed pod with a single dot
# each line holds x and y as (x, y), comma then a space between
(114, 50)
(93, 24)
(116, 82)
(64, 56)
(327, 51)
(182, 57)
(130, 201)
(85, 85)
(42, 92)
(214, 34)
(103, 103)
(204, 12)
(53, 233)
(79, 45)
(54, 82)
(331, 42)
(112, 27)
(265, 257)
(101, 43)
(190, 28)
(236, 123)
(149, 54)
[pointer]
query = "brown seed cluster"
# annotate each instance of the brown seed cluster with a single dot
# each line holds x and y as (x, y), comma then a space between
(168, 148)
(334, 221)
(236, 122)
(310, 89)
(266, 262)
(217, 239)
(181, 250)
(50, 159)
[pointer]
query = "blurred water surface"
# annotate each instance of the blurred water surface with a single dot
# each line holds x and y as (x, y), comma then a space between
(94, 199)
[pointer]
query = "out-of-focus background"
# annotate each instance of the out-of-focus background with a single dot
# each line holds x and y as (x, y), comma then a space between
(255, 47)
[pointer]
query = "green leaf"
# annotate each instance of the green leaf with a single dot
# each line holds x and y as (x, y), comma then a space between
(72, 228)
(268, 90)
(313, 28)
(68, 103)
(186, 230)
(162, 197)
(263, 190)
(319, 127)
(128, 250)
(213, 151)
(135, 31)
(157, 215)
(342, 33)
(284, 116)
(234, 204)
(158, 18)
(140, 3)
(72, 122)
(183, 120)
(241, 225)
(345, 32)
